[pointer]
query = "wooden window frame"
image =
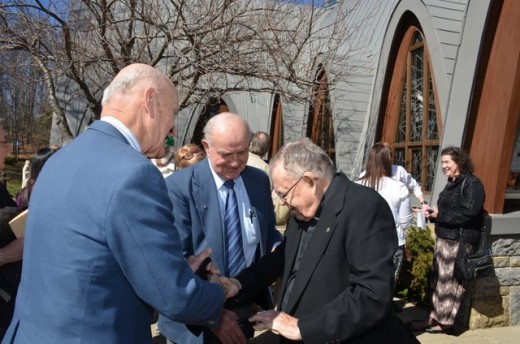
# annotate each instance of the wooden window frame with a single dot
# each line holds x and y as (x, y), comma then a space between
(320, 123)
(402, 73)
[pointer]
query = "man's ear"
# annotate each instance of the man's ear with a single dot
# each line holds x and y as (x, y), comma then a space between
(205, 145)
(150, 101)
(309, 178)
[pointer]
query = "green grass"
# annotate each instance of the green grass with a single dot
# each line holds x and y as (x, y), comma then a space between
(12, 174)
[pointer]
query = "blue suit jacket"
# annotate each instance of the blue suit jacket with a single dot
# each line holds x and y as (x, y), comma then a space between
(100, 247)
(197, 218)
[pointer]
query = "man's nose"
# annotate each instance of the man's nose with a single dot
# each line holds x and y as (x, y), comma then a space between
(234, 162)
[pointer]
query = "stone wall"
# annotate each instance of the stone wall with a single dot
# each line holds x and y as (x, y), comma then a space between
(495, 301)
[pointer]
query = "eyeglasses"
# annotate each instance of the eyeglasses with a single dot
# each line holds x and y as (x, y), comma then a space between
(283, 197)
(190, 156)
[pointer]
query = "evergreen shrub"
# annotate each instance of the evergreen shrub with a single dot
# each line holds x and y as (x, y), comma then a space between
(414, 280)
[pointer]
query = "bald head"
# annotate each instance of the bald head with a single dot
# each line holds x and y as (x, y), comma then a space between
(131, 79)
(226, 142)
(227, 123)
(146, 102)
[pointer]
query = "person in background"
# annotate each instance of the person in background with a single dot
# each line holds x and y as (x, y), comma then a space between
(202, 194)
(38, 160)
(188, 155)
(5, 149)
(12, 273)
(11, 249)
(400, 174)
(25, 172)
(460, 206)
(336, 259)
(258, 147)
(27, 166)
(101, 250)
(55, 147)
(378, 176)
(166, 164)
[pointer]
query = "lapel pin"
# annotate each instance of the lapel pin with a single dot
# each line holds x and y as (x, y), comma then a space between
(327, 230)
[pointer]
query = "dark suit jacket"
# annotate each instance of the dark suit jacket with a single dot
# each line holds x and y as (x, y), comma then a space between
(344, 287)
(100, 247)
(197, 218)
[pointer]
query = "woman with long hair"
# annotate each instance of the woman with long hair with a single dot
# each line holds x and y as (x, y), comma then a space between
(378, 176)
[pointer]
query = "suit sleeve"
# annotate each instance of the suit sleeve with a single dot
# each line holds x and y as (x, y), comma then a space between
(262, 274)
(370, 242)
(182, 215)
(142, 237)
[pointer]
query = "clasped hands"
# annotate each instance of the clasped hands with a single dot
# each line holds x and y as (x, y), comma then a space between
(231, 286)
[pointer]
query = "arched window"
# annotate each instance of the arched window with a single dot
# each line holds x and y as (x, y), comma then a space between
(412, 124)
(320, 125)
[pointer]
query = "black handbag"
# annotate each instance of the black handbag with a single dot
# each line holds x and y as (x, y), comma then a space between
(476, 265)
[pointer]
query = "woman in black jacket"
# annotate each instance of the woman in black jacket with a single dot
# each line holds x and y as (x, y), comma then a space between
(460, 210)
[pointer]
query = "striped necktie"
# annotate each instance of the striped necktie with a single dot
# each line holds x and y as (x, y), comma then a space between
(235, 252)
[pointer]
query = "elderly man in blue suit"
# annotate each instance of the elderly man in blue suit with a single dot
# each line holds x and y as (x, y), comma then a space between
(199, 195)
(101, 249)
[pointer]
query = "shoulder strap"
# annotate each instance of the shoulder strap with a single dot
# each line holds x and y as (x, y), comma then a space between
(462, 186)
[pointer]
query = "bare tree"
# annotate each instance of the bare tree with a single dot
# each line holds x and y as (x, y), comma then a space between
(207, 47)
(22, 95)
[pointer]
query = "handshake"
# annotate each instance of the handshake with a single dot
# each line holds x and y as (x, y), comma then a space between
(201, 265)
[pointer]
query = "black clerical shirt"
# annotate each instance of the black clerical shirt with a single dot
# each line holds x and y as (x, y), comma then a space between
(307, 229)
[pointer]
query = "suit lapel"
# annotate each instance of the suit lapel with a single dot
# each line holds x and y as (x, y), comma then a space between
(253, 192)
(318, 243)
(206, 200)
(293, 236)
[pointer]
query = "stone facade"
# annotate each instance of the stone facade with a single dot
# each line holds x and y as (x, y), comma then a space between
(495, 301)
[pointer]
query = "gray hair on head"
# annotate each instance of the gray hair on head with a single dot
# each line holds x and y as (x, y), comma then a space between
(303, 156)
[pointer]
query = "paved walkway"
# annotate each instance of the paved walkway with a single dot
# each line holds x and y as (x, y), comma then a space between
(496, 335)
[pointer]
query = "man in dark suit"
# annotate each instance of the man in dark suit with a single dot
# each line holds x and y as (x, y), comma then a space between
(336, 259)
(100, 246)
(199, 195)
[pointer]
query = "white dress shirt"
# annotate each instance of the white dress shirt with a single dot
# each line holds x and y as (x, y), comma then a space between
(248, 220)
